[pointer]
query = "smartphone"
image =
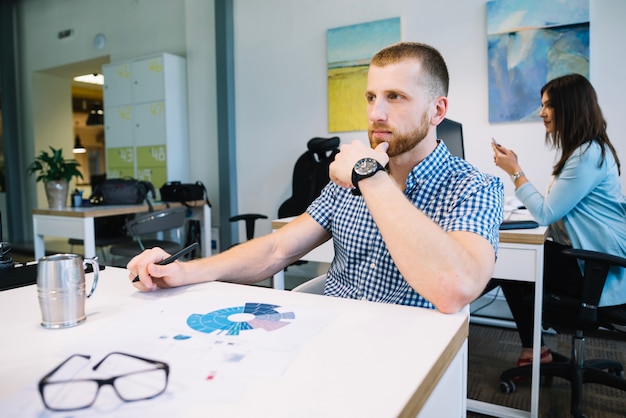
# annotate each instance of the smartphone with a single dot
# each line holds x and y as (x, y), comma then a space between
(493, 141)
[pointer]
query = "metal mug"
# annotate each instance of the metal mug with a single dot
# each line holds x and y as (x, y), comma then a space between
(61, 289)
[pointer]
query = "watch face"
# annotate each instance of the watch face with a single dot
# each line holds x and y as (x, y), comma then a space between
(365, 166)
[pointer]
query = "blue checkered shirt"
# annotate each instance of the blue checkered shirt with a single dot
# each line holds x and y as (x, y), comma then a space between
(449, 190)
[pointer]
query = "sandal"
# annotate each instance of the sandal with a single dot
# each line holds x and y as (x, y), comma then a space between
(529, 360)
(546, 357)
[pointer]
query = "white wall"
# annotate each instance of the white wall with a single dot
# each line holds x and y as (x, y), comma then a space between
(281, 98)
(280, 73)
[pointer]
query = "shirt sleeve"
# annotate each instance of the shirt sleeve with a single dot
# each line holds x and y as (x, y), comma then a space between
(478, 208)
(321, 209)
(581, 174)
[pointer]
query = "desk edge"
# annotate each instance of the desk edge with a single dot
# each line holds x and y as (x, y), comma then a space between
(523, 236)
(110, 210)
(423, 392)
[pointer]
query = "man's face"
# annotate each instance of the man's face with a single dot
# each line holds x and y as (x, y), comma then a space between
(397, 107)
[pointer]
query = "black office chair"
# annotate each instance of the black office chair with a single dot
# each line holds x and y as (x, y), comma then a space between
(144, 229)
(310, 175)
(580, 316)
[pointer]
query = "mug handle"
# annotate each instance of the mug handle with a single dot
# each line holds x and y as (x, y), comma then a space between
(96, 270)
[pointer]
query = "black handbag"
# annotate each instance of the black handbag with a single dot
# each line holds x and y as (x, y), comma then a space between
(122, 192)
(175, 191)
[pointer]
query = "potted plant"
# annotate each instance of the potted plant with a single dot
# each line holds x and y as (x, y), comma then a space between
(55, 172)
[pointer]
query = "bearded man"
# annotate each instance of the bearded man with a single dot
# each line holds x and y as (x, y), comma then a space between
(410, 223)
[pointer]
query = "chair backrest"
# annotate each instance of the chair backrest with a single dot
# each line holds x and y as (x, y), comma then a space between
(157, 221)
(315, 286)
(310, 175)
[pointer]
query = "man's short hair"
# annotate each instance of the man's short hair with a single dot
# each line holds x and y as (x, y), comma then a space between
(435, 78)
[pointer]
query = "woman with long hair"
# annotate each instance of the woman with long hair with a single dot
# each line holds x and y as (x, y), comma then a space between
(584, 207)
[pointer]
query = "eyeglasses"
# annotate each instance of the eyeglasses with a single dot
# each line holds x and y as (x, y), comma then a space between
(147, 380)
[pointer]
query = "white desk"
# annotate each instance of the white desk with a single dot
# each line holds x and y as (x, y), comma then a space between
(365, 360)
(520, 258)
(79, 223)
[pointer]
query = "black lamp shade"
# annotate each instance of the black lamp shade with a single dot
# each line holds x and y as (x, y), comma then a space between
(78, 147)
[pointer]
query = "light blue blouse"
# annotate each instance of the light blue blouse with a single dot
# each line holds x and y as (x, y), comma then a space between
(588, 198)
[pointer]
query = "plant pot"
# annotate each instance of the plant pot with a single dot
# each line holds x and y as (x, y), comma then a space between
(56, 192)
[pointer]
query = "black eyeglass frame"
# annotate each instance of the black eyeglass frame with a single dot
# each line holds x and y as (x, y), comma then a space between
(159, 365)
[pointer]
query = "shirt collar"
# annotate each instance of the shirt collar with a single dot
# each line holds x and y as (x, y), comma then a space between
(428, 167)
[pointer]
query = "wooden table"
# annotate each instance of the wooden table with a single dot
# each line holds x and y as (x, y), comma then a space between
(79, 223)
(357, 359)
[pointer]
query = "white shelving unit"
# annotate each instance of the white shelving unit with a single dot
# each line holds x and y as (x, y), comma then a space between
(145, 110)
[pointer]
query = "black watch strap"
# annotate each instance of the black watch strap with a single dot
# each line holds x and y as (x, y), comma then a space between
(356, 177)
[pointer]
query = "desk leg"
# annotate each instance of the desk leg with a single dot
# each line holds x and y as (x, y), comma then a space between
(278, 280)
(89, 237)
(39, 242)
(203, 214)
(537, 330)
(206, 227)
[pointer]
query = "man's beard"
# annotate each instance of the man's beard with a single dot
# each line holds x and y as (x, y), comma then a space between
(401, 142)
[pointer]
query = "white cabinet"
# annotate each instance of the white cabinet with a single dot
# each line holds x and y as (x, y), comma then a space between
(145, 116)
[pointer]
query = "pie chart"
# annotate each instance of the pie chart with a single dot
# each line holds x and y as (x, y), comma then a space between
(234, 320)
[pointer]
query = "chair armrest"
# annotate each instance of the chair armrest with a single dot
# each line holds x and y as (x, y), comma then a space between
(609, 259)
(250, 219)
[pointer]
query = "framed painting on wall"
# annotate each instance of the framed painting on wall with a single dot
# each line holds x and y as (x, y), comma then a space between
(531, 42)
(349, 51)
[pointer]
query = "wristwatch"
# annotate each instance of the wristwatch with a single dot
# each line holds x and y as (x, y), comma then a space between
(517, 175)
(364, 168)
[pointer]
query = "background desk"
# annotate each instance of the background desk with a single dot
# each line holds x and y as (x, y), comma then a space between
(367, 360)
(79, 223)
(520, 258)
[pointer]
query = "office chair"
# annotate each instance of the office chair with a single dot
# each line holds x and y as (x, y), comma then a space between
(314, 286)
(143, 229)
(580, 316)
(310, 175)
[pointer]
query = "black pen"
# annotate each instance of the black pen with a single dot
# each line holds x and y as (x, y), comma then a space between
(174, 257)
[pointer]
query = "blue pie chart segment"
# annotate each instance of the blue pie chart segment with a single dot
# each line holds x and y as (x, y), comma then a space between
(235, 319)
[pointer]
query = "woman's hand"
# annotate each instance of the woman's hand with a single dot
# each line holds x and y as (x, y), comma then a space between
(505, 158)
